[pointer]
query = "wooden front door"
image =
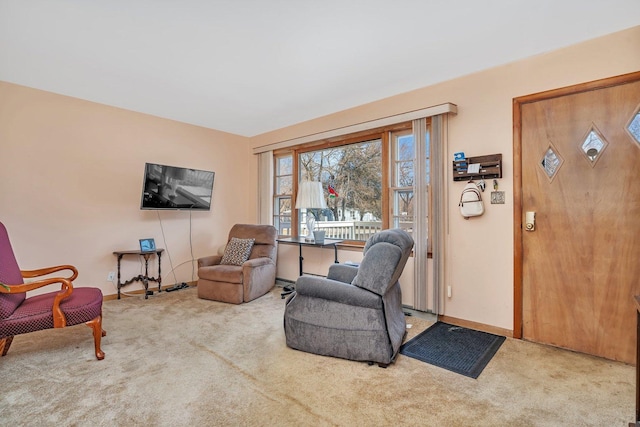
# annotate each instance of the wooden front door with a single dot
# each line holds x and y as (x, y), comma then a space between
(580, 172)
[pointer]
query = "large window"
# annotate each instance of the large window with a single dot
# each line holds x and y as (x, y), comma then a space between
(367, 180)
(402, 180)
(351, 176)
(283, 186)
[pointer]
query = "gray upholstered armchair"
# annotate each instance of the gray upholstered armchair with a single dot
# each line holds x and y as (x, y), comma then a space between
(354, 313)
(246, 270)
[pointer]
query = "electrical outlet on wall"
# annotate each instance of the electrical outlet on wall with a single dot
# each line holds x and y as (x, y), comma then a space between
(111, 276)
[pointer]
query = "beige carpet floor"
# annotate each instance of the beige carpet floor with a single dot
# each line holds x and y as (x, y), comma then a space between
(176, 360)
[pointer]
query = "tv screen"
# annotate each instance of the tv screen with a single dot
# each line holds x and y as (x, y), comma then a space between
(170, 187)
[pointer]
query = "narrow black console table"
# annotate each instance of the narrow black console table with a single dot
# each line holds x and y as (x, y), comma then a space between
(145, 279)
(301, 241)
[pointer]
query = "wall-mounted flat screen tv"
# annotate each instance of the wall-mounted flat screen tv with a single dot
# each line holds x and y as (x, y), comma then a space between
(170, 187)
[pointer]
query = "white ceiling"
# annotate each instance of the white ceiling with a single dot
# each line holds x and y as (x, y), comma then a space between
(251, 66)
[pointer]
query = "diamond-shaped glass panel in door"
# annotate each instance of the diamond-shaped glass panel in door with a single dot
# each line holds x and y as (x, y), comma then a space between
(593, 145)
(551, 162)
(634, 126)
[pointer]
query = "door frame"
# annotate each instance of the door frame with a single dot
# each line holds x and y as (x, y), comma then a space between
(517, 178)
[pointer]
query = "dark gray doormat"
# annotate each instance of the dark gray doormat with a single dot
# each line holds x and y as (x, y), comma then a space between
(460, 350)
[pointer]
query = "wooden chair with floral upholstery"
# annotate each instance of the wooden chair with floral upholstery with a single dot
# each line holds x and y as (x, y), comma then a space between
(66, 307)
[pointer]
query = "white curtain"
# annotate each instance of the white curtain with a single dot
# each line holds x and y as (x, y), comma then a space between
(439, 209)
(421, 210)
(437, 220)
(265, 187)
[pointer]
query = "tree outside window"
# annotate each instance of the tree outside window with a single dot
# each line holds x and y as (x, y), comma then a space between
(402, 185)
(368, 182)
(351, 177)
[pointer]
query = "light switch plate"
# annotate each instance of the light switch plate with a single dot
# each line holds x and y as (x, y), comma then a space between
(497, 197)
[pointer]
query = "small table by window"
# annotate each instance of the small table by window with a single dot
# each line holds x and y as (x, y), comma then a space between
(301, 241)
(145, 279)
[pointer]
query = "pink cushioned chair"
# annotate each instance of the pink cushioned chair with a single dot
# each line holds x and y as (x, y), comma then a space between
(67, 307)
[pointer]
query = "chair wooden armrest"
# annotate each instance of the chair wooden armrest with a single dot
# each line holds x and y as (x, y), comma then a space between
(66, 288)
(28, 274)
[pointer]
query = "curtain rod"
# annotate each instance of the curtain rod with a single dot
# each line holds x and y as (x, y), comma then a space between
(372, 124)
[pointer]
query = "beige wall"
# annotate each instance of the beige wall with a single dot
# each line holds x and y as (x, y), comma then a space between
(71, 179)
(479, 254)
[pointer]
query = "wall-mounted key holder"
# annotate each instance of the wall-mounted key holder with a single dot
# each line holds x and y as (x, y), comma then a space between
(479, 167)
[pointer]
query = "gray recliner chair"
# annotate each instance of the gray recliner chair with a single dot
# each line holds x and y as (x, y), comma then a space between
(354, 313)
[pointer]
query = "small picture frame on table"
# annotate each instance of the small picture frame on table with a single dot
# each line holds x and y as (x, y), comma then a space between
(147, 245)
